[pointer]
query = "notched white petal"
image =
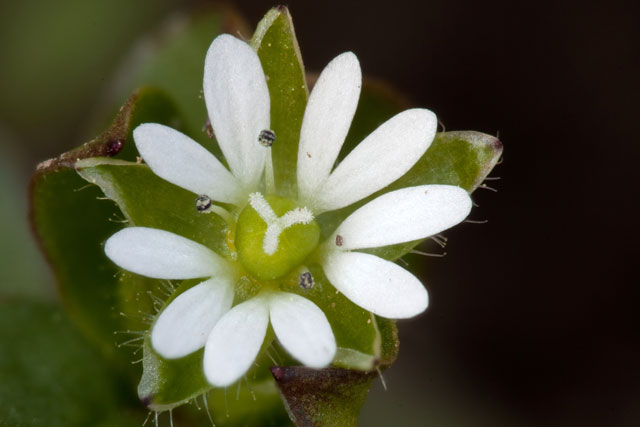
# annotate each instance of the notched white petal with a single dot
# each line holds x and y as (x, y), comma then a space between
(375, 284)
(326, 122)
(185, 324)
(381, 158)
(303, 329)
(237, 98)
(180, 160)
(404, 215)
(160, 254)
(235, 342)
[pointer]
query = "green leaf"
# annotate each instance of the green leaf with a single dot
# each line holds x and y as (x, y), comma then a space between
(50, 376)
(72, 222)
(329, 397)
(277, 46)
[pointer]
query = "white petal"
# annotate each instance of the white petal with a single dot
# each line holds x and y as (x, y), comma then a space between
(326, 122)
(303, 329)
(161, 255)
(237, 98)
(185, 324)
(180, 160)
(403, 215)
(235, 342)
(384, 156)
(375, 284)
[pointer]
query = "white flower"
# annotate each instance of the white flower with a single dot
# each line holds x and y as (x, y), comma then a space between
(237, 100)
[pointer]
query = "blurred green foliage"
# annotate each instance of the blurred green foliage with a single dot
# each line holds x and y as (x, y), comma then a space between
(23, 272)
(50, 72)
(51, 377)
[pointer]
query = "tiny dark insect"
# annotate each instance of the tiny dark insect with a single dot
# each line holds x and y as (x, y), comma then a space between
(339, 240)
(203, 203)
(306, 280)
(266, 137)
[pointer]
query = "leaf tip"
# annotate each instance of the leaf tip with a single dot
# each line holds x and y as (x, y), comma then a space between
(496, 145)
(278, 373)
(114, 146)
(146, 400)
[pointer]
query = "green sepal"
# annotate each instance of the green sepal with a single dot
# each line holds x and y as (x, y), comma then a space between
(168, 383)
(462, 158)
(275, 42)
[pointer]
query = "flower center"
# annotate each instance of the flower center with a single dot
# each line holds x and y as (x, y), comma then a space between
(274, 236)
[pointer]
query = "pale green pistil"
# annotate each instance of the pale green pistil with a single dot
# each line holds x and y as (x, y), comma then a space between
(274, 236)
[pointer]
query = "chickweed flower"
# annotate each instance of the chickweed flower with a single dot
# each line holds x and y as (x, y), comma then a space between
(271, 236)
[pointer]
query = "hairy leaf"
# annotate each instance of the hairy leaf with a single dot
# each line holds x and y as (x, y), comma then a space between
(72, 222)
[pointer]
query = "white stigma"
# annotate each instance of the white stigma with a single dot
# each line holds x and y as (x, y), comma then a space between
(275, 225)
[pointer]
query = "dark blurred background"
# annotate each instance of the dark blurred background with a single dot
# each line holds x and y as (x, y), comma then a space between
(533, 316)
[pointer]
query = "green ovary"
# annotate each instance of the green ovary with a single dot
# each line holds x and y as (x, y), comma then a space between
(295, 242)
